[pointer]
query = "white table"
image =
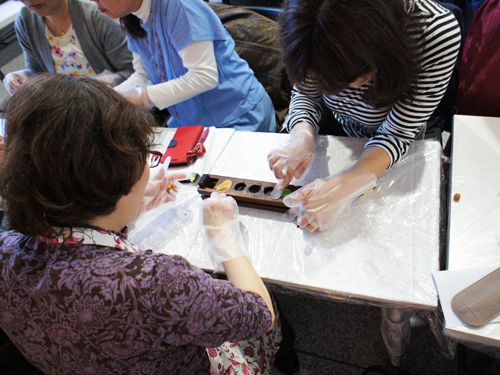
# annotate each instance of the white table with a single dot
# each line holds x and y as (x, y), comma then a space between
(474, 221)
(381, 252)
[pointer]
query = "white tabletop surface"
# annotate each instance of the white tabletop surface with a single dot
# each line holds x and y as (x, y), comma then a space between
(382, 250)
(475, 218)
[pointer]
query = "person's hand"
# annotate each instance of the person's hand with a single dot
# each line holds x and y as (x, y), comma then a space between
(13, 81)
(161, 188)
(139, 96)
(108, 78)
(221, 229)
(320, 203)
(295, 159)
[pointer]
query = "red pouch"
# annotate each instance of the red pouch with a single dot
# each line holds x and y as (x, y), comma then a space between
(185, 139)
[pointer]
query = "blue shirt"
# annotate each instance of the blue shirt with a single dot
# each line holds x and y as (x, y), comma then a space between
(178, 24)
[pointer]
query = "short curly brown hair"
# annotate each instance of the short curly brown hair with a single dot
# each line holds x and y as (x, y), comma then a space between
(74, 147)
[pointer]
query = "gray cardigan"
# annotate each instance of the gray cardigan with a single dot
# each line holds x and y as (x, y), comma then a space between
(103, 41)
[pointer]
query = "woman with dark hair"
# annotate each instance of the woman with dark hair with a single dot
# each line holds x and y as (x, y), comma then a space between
(183, 49)
(75, 295)
(381, 67)
(69, 37)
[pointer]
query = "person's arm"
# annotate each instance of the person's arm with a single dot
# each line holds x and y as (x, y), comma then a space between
(114, 42)
(407, 118)
(138, 78)
(21, 27)
(221, 229)
(185, 305)
(375, 159)
(202, 75)
(305, 106)
(241, 274)
(302, 122)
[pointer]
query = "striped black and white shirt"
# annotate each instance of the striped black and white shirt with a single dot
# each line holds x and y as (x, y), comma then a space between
(392, 128)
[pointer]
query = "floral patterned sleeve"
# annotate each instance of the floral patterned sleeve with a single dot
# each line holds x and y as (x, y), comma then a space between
(191, 307)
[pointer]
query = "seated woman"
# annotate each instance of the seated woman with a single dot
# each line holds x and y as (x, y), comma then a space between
(70, 37)
(183, 49)
(381, 67)
(75, 295)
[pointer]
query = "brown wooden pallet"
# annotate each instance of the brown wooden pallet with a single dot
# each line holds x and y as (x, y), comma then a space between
(248, 193)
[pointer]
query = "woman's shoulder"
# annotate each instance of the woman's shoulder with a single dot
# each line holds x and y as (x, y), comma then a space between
(433, 21)
(12, 242)
(429, 12)
(25, 17)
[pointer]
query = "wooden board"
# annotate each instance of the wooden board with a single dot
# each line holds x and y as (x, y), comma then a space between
(248, 193)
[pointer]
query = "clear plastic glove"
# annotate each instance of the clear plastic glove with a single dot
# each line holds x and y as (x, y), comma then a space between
(161, 188)
(139, 96)
(13, 81)
(221, 230)
(320, 203)
(295, 159)
(108, 78)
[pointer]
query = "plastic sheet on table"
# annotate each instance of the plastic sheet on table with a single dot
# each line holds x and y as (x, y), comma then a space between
(173, 228)
(382, 250)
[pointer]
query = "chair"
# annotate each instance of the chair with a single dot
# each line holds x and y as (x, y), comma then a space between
(253, 31)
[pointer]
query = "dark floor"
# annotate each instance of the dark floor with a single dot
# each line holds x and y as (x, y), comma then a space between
(332, 337)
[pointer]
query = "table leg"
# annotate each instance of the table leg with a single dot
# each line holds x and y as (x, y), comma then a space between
(396, 332)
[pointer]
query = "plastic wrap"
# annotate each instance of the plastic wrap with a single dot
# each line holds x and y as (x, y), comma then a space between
(382, 250)
(396, 332)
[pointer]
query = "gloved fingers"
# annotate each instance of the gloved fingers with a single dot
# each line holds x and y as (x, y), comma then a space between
(277, 160)
(175, 176)
(299, 196)
(139, 96)
(108, 79)
(306, 221)
(272, 158)
(303, 167)
(218, 210)
(13, 81)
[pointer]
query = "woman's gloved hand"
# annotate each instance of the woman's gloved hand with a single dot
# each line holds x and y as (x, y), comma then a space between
(320, 203)
(13, 81)
(139, 96)
(221, 229)
(108, 78)
(161, 188)
(295, 159)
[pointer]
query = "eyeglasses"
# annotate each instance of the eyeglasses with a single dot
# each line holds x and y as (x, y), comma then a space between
(154, 158)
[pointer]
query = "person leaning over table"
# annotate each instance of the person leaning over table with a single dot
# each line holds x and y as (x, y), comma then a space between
(381, 67)
(182, 47)
(75, 295)
(69, 37)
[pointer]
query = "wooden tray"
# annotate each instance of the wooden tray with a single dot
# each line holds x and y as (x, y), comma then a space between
(248, 193)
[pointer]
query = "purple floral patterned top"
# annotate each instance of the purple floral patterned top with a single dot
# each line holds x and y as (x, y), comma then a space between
(81, 307)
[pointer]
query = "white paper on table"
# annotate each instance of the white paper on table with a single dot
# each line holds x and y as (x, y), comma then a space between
(214, 144)
(449, 283)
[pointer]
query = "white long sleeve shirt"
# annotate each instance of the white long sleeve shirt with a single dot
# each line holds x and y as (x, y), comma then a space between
(199, 60)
